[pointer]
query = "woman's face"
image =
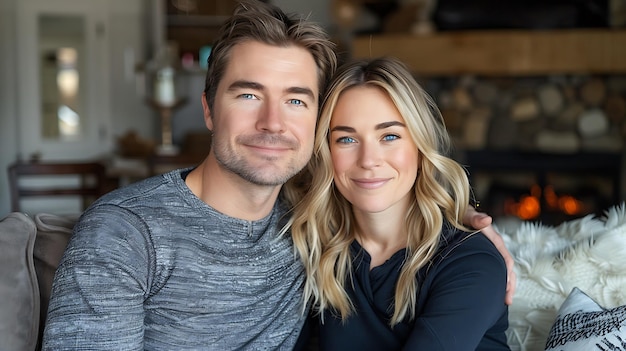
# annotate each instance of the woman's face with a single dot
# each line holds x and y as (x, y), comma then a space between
(374, 158)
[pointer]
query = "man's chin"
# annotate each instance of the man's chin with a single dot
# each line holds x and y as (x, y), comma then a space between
(263, 172)
(267, 176)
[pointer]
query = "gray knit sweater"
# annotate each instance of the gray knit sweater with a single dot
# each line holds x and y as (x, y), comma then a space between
(152, 267)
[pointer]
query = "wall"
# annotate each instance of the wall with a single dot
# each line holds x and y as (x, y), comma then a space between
(8, 131)
(129, 43)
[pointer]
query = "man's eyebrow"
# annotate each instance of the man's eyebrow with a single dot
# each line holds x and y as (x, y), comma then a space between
(240, 84)
(246, 84)
(304, 91)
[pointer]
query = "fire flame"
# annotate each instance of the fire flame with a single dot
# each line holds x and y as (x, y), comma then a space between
(529, 205)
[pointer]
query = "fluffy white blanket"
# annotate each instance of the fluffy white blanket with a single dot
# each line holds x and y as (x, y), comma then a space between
(588, 253)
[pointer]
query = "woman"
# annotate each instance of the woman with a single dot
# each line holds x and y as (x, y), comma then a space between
(389, 264)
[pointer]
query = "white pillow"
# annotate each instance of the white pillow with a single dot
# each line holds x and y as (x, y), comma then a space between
(582, 324)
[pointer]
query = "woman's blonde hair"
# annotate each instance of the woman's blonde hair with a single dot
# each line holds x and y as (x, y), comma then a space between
(322, 222)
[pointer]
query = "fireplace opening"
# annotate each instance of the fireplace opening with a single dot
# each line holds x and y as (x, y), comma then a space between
(547, 205)
(542, 187)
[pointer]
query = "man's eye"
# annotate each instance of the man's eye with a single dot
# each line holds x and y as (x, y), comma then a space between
(248, 96)
(346, 140)
(390, 137)
(297, 102)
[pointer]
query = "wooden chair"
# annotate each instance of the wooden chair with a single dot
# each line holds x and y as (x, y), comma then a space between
(91, 182)
(159, 164)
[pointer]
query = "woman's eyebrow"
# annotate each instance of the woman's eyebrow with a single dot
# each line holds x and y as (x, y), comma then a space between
(389, 124)
(377, 127)
(343, 129)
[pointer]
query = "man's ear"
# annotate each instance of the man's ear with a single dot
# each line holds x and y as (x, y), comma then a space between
(208, 121)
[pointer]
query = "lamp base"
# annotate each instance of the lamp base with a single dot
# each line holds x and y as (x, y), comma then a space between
(167, 150)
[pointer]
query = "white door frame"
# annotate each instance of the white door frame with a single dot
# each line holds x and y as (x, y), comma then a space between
(96, 139)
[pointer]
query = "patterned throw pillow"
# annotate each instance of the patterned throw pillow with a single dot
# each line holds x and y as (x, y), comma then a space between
(582, 324)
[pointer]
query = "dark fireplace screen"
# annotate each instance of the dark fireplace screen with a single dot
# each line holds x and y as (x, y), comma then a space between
(549, 188)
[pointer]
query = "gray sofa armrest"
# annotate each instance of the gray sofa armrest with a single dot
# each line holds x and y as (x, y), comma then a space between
(19, 290)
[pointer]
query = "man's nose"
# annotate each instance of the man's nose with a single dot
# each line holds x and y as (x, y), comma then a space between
(271, 118)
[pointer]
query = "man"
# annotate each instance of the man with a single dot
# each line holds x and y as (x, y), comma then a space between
(192, 259)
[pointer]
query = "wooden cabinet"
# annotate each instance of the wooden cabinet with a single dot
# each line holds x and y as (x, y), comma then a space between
(503, 52)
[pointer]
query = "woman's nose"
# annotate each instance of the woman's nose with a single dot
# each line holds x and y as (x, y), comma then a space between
(369, 155)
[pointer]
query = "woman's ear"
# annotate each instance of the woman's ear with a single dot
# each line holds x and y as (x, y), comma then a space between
(208, 120)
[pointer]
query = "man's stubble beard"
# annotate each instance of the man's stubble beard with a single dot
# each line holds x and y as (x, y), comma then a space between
(239, 165)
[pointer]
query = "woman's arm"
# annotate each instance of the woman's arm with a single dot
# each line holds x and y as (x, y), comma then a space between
(460, 305)
(482, 222)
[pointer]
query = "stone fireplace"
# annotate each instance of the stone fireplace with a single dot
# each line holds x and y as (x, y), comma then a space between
(546, 148)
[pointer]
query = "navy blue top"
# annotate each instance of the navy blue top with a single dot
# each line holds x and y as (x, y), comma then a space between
(460, 302)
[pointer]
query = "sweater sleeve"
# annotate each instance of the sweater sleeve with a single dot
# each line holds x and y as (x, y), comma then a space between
(101, 283)
(463, 299)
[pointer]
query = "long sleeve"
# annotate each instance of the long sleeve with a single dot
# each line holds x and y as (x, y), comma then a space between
(463, 305)
(102, 280)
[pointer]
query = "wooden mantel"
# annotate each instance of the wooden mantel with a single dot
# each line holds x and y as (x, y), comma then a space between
(503, 52)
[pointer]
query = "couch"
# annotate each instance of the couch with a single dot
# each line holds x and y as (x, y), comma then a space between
(31, 248)
(571, 283)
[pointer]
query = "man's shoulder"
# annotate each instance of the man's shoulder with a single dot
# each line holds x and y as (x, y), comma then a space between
(154, 187)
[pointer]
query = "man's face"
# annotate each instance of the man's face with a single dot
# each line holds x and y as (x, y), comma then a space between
(265, 110)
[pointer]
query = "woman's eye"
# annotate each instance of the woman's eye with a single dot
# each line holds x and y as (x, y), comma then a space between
(390, 137)
(297, 102)
(346, 140)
